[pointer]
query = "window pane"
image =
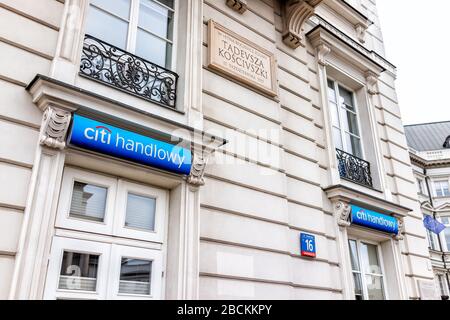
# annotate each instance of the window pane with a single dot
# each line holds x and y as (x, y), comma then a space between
(369, 256)
(120, 8)
(153, 49)
(353, 145)
(140, 212)
(334, 114)
(88, 201)
(168, 3)
(135, 276)
(107, 28)
(375, 287)
(447, 237)
(350, 122)
(337, 138)
(155, 18)
(354, 255)
(445, 220)
(358, 286)
(78, 271)
(331, 92)
(346, 97)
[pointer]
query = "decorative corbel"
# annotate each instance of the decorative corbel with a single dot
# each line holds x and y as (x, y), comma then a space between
(323, 50)
(361, 32)
(401, 230)
(372, 83)
(237, 5)
(343, 211)
(199, 162)
(55, 124)
(294, 14)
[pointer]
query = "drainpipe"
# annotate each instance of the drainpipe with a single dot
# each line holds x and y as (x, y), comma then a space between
(439, 238)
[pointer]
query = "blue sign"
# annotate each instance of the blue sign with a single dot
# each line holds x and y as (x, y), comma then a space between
(97, 136)
(308, 245)
(374, 220)
(433, 225)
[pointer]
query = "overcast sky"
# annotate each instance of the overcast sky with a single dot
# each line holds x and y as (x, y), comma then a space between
(416, 40)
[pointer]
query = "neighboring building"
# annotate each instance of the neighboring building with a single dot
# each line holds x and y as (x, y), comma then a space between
(430, 156)
(183, 149)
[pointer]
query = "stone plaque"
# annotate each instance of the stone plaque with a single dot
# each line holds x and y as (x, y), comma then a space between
(241, 59)
(427, 290)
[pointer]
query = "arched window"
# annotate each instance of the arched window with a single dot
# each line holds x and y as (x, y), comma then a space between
(447, 143)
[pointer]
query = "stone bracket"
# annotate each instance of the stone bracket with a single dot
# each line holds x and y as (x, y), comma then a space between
(294, 14)
(55, 125)
(237, 5)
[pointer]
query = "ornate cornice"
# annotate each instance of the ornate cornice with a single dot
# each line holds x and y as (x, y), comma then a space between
(55, 124)
(237, 5)
(294, 14)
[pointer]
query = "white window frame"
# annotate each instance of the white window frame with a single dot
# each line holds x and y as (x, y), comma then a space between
(435, 185)
(443, 291)
(108, 273)
(340, 115)
(115, 209)
(64, 220)
(132, 22)
(445, 246)
(60, 245)
(125, 187)
(156, 285)
(362, 270)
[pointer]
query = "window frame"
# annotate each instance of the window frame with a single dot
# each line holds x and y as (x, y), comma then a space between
(161, 196)
(362, 272)
(61, 244)
(156, 285)
(63, 218)
(435, 190)
(445, 245)
(115, 209)
(341, 128)
(132, 30)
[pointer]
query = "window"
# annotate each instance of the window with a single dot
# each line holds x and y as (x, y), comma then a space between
(96, 203)
(419, 186)
(446, 222)
(432, 241)
(344, 118)
(84, 269)
(368, 279)
(441, 188)
(142, 27)
(442, 284)
(109, 239)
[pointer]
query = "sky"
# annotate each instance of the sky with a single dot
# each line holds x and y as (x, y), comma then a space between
(416, 41)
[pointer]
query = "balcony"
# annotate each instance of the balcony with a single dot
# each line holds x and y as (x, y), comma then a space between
(122, 70)
(354, 169)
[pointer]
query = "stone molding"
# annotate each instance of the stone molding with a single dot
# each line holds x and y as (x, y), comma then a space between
(55, 125)
(294, 14)
(323, 50)
(237, 5)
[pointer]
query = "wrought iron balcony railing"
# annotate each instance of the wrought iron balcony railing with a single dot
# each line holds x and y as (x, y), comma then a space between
(108, 64)
(354, 169)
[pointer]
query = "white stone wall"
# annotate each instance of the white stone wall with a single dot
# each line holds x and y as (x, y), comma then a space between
(256, 200)
(28, 39)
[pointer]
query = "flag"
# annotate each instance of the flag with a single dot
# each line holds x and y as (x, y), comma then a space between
(433, 225)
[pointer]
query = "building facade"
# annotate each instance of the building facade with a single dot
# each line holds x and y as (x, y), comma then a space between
(430, 159)
(215, 149)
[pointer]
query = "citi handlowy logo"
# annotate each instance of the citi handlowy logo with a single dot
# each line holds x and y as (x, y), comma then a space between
(102, 134)
(97, 136)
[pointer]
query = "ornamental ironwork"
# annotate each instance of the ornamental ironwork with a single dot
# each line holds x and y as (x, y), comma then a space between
(108, 64)
(354, 169)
